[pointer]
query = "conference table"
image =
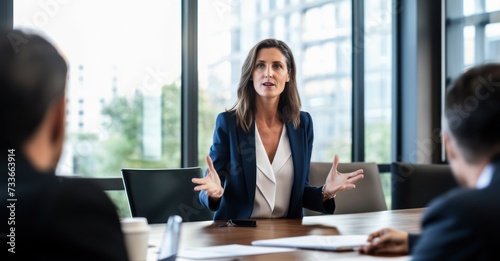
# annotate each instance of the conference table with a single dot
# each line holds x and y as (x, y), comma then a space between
(210, 233)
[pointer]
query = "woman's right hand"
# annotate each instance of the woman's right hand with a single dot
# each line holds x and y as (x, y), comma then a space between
(210, 183)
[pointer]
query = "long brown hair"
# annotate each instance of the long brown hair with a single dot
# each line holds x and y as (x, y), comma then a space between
(289, 103)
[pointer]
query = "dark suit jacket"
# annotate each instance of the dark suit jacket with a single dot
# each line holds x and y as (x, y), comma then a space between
(233, 155)
(461, 225)
(57, 218)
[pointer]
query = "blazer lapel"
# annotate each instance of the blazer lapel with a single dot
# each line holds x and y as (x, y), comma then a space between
(246, 147)
(296, 137)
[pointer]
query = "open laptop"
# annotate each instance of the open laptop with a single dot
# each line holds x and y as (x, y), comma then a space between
(170, 241)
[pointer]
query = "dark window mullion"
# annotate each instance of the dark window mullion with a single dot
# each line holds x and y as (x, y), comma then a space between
(358, 81)
(6, 13)
(396, 139)
(189, 84)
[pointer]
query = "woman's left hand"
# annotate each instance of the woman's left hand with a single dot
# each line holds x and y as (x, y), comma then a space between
(336, 181)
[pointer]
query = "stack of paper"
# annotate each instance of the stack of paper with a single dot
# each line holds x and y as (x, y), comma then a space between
(332, 243)
(228, 251)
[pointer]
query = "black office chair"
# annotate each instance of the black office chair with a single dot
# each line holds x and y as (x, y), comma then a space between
(415, 185)
(107, 184)
(368, 195)
(157, 194)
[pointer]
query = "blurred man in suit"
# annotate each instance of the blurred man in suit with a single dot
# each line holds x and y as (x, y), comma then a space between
(464, 223)
(46, 217)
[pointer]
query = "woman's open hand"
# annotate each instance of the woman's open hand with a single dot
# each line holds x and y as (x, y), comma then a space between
(336, 181)
(210, 183)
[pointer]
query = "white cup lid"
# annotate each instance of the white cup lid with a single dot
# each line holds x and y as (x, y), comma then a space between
(134, 224)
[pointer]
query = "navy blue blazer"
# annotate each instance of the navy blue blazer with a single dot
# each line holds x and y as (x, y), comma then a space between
(461, 225)
(233, 155)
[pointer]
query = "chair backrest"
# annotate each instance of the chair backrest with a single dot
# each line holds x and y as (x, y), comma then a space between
(109, 184)
(415, 185)
(368, 195)
(157, 194)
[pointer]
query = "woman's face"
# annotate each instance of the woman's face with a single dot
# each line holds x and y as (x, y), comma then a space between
(270, 73)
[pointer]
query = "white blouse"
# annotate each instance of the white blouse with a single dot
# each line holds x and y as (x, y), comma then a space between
(274, 181)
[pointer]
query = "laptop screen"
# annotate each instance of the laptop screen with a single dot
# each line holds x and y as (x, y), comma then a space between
(170, 241)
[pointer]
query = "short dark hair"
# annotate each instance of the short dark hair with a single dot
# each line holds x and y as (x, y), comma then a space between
(472, 111)
(289, 104)
(32, 76)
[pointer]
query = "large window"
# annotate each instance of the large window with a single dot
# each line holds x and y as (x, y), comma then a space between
(123, 92)
(325, 81)
(378, 80)
(378, 85)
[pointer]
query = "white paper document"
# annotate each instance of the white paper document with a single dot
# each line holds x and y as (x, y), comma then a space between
(332, 243)
(228, 251)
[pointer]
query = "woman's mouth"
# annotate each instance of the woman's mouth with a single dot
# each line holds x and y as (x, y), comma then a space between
(268, 84)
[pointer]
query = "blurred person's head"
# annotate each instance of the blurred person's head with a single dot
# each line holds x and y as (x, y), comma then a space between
(472, 111)
(284, 79)
(32, 96)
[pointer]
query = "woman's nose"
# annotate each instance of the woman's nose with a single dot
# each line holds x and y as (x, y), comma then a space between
(269, 73)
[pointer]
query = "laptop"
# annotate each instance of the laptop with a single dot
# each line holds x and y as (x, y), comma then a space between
(170, 241)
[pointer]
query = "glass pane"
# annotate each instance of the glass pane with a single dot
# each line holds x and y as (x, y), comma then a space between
(471, 7)
(492, 5)
(217, 43)
(385, 178)
(492, 42)
(319, 23)
(469, 43)
(320, 38)
(123, 93)
(119, 197)
(378, 80)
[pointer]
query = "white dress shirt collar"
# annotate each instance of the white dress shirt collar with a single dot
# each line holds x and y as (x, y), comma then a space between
(485, 177)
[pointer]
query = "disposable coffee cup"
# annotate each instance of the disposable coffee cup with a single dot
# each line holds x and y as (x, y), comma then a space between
(136, 232)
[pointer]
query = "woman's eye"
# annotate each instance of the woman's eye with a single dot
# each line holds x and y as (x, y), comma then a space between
(260, 65)
(278, 66)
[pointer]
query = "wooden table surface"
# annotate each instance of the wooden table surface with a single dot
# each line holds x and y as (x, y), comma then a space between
(209, 233)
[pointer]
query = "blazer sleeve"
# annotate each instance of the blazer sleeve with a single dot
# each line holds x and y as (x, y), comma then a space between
(220, 154)
(412, 241)
(450, 228)
(84, 216)
(313, 198)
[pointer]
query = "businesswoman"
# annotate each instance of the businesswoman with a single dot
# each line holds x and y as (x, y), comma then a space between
(261, 152)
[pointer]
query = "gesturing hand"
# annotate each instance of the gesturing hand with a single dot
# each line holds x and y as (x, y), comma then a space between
(210, 183)
(336, 181)
(386, 241)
